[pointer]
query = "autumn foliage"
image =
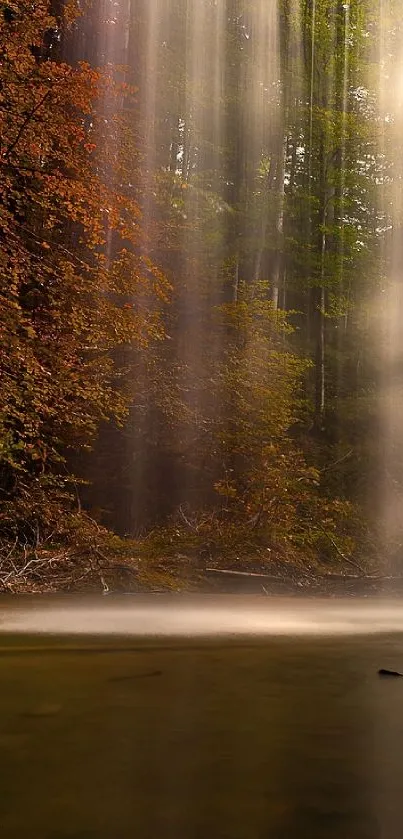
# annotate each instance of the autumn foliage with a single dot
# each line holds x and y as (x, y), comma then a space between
(71, 263)
(202, 376)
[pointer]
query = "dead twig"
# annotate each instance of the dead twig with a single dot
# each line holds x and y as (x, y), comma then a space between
(341, 554)
(186, 520)
(331, 466)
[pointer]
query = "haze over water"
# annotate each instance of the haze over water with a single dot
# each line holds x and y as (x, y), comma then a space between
(202, 616)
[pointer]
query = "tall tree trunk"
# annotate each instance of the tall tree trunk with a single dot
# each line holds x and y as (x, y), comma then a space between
(278, 259)
(320, 360)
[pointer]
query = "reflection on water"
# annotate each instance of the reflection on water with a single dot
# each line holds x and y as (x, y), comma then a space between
(259, 738)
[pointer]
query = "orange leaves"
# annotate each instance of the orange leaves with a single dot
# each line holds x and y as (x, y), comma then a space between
(71, 11)
(65, 303)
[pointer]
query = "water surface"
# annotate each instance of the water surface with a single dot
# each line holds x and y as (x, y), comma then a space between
(180, 724)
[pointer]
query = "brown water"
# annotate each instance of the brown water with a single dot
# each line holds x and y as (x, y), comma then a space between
(269, 736)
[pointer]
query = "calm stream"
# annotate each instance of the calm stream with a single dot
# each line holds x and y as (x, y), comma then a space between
(246, 718)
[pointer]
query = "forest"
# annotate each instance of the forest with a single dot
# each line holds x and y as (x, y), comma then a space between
(201, 247)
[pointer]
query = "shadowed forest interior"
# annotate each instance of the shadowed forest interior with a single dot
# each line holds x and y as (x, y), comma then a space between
(201, 250)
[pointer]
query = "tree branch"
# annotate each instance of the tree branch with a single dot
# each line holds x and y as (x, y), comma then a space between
(26, 122)
(341, 554)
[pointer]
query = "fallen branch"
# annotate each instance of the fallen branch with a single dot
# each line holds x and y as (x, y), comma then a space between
(366, 578)
(251, 574)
